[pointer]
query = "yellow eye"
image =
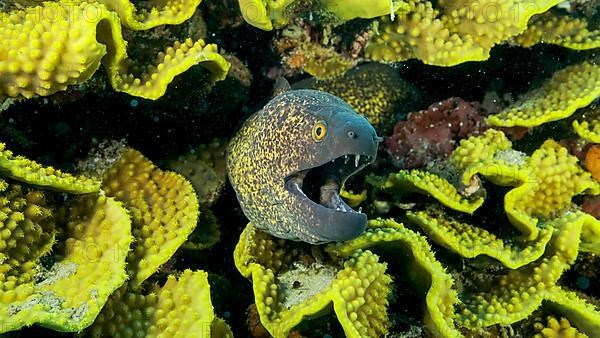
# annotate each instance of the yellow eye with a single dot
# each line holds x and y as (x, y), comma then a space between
(319, 131)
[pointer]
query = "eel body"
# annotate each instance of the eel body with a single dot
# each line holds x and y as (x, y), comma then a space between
(289, 160)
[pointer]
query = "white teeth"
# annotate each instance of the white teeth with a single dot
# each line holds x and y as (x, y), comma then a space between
(356, 160)
(360, 209)
(346, 158)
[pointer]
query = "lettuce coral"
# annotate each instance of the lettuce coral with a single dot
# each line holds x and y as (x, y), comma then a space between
(358, 290)
(587, 126)
(452, 32)
(164, 210)
(269, 14)
(31, 172)
(181, 307)
(540, 205)
(88, 262)
(569, 89)
(559, 328)
(427, 274)
(521, 291)
(56, 44)
(90, 265)
(560, 30)
(423, 182)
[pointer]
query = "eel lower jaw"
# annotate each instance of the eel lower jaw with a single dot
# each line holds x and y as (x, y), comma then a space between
(321, 184)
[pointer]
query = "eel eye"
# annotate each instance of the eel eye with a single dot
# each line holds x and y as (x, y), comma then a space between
(319, 131)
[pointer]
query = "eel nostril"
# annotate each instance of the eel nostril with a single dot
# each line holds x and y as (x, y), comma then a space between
(351, 134)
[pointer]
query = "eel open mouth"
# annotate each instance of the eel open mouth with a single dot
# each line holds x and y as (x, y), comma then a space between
(322, 184)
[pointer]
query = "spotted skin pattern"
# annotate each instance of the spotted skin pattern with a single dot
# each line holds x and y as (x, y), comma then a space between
(277, 141)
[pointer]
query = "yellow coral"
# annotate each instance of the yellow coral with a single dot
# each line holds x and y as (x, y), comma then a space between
(48, 47)
(159, 12)
(478, 149)
(426, 183)
(30, 172)
(265, 14)
(181, 307)
(588, 130)
(559, 178)
(560, 30)
(358, 291)
(90, 266)
(269, 14)
(470, 241)
(346, 10)
(559, 97)
(521, 291)
(220, 329)
(545, 182)
(556, 328)
(163, 206)
(451, 33)
(587, 126)
(426, 272)
(28, 233)
(206, 234)
(353, 199)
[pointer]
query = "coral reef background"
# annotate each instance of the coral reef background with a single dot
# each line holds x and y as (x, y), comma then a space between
(187, 128)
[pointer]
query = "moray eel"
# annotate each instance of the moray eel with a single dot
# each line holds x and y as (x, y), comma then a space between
(288, 161)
